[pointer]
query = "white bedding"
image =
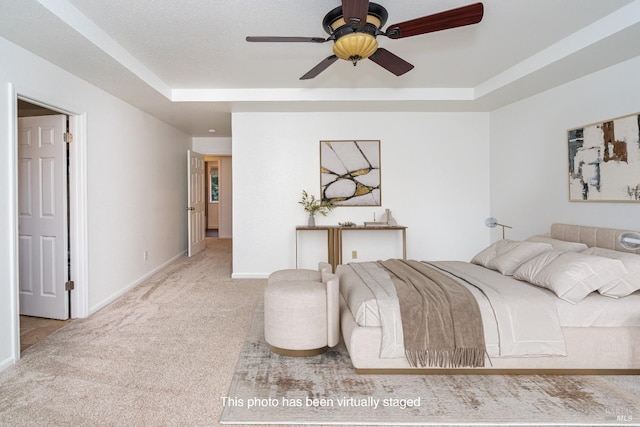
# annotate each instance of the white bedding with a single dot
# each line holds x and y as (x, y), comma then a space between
(525, 318)
(503, 308)
(594, 311)
(360, 299)
(600, 311)
(388, 307)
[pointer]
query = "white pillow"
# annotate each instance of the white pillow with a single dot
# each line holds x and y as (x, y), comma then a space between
(530, 269)
(627, 284)
(571, 275)
(485, 256)
(507, 255)
(560, 245)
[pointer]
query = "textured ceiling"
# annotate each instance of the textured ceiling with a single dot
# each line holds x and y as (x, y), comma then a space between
(152, 53)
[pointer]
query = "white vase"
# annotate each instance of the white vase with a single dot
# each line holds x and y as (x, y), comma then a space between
(312, 221)
(390, 220)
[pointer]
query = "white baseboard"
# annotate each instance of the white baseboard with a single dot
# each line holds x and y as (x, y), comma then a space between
(250, 275)
(132, 285)
(7, 363)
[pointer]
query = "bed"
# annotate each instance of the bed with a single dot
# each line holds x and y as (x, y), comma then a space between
(526, 324)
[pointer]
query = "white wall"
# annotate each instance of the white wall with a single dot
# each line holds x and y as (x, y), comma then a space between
(212, 146)
(529, 154)
(136, 184)
(137, 197)
(225, 221)
(435, 179)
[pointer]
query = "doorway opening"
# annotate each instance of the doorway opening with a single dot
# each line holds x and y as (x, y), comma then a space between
(213, 197)
(44, 243)
(218, 195)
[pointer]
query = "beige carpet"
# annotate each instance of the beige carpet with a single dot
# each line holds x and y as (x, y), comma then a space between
(163, 354)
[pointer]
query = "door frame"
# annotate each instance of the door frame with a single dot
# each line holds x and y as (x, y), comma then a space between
(77, 195)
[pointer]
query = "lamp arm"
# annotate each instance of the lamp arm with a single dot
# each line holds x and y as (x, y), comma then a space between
(491, 222)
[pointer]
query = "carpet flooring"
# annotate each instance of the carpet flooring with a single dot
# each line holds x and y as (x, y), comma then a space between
(324, 389)
(161, 355)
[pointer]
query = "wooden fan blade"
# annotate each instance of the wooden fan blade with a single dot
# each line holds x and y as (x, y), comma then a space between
(355, 12)
(320, 67)
(459, 17)
(267, 39)
(391, 62)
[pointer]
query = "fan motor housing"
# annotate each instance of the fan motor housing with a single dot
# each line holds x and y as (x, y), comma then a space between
(334, 20)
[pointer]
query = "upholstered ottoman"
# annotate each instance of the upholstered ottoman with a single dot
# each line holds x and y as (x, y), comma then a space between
(301, 317)
(300, 274)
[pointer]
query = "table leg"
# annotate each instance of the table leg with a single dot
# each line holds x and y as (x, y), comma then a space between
(333, 247)
(404, 243)
(339, 233)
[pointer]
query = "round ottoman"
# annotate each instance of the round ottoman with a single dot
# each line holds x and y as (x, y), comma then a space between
(295, 274)
(295, 317)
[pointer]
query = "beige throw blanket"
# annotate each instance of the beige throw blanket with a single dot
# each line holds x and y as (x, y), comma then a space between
(440, 318)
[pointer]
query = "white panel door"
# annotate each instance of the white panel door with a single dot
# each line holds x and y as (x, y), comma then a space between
(196, 207)
(42, 206)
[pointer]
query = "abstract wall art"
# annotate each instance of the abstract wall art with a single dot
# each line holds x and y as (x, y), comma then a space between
(604, 161)
(350, 173)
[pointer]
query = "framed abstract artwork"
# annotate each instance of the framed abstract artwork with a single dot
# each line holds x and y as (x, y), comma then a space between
(350, 173)
(604, 161)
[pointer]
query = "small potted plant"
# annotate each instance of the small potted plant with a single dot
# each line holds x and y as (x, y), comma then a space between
(314, 206)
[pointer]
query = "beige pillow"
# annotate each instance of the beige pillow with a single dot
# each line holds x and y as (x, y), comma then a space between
(628, 283)
(485, 256)
(530, 269)
(570, 275)
(507, 255)
(560, 245)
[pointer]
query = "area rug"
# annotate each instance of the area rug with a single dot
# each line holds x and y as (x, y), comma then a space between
(325, 389)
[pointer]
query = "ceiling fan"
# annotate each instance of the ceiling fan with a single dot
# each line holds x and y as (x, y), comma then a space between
(354, 26)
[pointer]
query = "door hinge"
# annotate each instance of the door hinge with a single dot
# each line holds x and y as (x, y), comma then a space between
(68, 137)
(69, 286)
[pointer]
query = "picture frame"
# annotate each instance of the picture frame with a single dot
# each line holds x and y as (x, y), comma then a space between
(604, 161)
(350, 172)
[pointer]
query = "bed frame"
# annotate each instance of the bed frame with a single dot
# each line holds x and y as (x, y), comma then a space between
(600, 350)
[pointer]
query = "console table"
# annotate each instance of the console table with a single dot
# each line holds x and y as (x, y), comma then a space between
(334, 238)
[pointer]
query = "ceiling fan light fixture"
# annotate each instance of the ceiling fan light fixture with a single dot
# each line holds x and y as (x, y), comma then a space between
(354, 25)
(355, 46)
